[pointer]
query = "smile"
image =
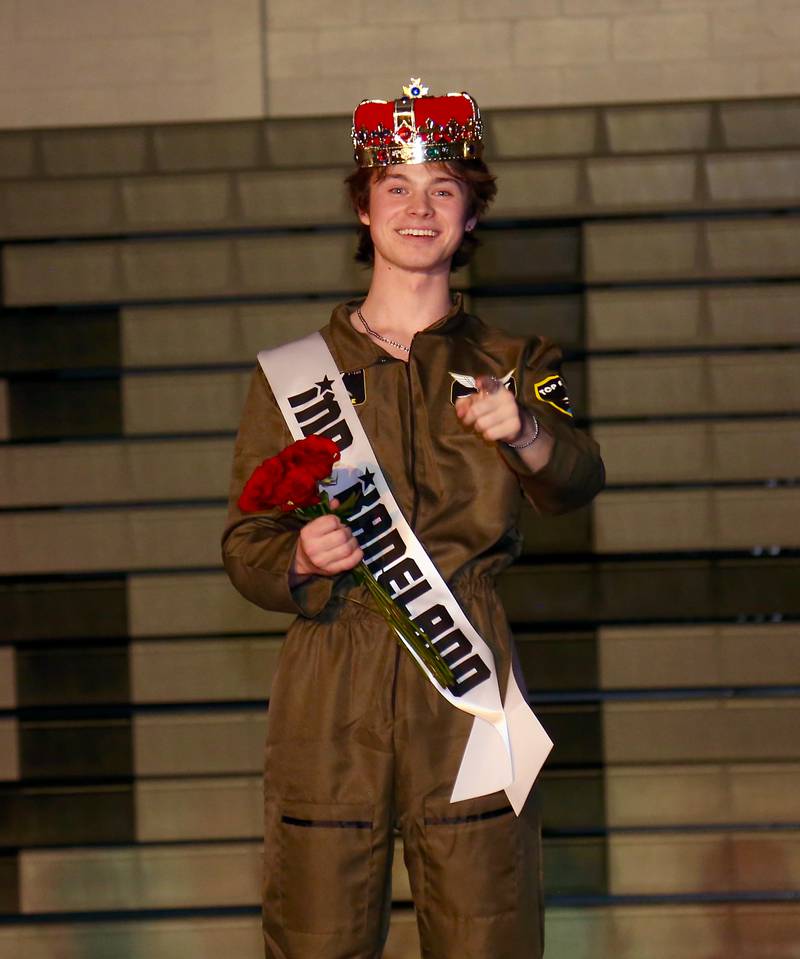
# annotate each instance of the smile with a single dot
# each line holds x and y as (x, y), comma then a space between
(413, 232)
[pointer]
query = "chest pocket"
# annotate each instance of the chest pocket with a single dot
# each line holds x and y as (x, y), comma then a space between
(355, 383)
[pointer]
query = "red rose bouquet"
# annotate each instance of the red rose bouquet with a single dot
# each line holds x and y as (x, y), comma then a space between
(290, 481)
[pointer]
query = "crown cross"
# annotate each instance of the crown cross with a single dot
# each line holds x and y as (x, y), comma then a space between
(415, 88)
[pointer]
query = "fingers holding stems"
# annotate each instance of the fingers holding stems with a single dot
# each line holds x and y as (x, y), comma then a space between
(326, 546)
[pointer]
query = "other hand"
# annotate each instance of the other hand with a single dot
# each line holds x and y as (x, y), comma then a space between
(494, 415)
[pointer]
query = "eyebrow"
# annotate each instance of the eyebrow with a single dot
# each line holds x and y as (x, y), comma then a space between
(438, 179)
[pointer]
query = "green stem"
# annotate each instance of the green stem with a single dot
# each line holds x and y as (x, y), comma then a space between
(407, 632)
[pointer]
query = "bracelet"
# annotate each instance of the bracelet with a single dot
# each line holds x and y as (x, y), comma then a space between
(532, 440)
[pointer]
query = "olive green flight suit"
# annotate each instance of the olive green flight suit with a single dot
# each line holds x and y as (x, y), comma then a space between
(358, 740)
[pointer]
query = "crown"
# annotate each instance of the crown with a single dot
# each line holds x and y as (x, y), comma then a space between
(417, 128)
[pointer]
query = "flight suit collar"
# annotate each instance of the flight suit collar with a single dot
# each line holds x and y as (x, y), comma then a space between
(358, 350)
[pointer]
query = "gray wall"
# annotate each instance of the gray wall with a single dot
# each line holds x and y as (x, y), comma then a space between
(109, 62)
(142, 267)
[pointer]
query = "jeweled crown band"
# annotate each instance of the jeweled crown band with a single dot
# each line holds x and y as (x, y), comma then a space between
(417, 152)
(417, 128)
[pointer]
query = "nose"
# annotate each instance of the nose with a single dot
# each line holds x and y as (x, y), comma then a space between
(419, 203)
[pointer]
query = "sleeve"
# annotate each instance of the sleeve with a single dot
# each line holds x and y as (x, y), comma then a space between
(258, 548)
(574, 474)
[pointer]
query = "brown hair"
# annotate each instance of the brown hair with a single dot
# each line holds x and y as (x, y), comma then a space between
(481, 190)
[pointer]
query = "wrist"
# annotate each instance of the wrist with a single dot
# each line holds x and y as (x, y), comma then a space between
(297, 579)
(302, 568)
(528, 432)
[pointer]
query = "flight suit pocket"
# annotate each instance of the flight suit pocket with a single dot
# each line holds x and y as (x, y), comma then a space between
(471, 858)
(325, 860)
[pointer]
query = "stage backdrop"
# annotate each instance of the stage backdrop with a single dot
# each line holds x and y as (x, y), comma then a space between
(144, 266)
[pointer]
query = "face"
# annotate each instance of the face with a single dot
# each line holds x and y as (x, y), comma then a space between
(417, 217)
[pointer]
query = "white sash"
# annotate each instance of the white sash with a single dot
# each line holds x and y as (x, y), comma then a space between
(507, 745)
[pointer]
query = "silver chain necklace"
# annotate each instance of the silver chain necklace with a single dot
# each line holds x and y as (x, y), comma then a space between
(378, 336)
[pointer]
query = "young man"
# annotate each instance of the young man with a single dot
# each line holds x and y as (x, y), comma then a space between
(463, 420)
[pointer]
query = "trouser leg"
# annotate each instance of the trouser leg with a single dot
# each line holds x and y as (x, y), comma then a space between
(474, 866)
(328, 798)
(326, 868)
(475, 875)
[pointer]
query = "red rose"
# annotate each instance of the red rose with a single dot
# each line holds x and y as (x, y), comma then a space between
(297, 488)
(321, 444)
(321, 454)
(317, 454)
(258, 492)
(292, 455)
(289, 480)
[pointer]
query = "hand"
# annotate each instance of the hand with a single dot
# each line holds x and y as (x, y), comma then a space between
(325, 547)
(493, 412)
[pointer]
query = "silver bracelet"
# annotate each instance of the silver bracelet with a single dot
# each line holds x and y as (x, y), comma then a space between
(532, 440)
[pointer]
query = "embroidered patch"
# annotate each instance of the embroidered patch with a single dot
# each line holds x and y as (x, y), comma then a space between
(356, 385)
(553, 390)
(464, 385)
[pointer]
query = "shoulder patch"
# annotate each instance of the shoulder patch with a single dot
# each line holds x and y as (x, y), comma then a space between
(463, 384)
(356, 385)
(553, 390)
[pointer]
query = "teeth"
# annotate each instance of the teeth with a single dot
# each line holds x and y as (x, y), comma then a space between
(417, 232)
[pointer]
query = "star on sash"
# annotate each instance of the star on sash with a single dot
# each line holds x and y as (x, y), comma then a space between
(367, 478)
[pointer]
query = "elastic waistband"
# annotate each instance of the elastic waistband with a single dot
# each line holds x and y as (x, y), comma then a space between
(354, 601)
(472, 580)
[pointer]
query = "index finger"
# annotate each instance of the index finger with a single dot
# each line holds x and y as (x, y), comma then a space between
(487, 383)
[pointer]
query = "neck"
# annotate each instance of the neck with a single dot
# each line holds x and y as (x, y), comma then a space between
(402, 303)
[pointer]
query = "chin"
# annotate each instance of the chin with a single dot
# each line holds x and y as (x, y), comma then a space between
(424, 266)
(428, 260)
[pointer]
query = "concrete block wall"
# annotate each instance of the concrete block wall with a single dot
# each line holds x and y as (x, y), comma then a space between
(79, 62)
(142, 268)
(532, 52)
(109, 62)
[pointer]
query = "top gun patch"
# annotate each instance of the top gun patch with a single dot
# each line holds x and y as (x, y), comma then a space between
(356, 385)
(553, 390)
(464, 385)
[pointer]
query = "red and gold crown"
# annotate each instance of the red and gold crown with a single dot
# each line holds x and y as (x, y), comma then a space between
(417, 128)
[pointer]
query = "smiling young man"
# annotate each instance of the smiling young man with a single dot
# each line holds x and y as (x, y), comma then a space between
(460, 421)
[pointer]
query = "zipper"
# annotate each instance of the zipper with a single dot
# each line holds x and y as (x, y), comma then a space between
(414, 506)
(413, 447)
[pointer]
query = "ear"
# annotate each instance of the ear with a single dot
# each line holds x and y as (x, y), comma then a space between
(470, 225)
(364, 217)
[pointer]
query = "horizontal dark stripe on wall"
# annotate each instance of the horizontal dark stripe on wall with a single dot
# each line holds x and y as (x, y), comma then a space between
(35, 340)
(54, 815)
(659, 591)
(577, 732)
(564, 661)
(43, 608)
(96, 749)
(48, 676)
(572, 800)
(62, 408)
(565, 595)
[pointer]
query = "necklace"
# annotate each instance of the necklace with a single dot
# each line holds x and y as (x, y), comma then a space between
(378, 336)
